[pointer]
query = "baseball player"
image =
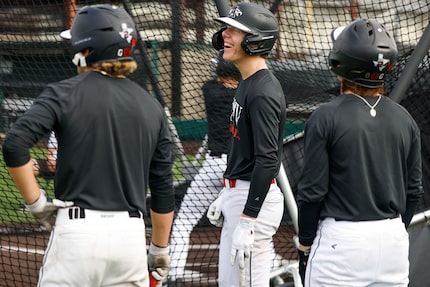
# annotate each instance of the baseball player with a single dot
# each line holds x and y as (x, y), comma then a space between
(251, 204)
(218, 94)
(361, 178)
(113, 142)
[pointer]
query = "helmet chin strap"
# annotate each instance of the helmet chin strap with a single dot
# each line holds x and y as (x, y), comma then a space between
(79, 60)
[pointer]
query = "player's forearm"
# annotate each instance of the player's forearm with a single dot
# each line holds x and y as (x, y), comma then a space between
(308, 218)
(161, 226)
(25, 181)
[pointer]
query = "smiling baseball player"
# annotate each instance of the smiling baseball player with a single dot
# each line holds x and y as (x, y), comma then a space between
(251, 203)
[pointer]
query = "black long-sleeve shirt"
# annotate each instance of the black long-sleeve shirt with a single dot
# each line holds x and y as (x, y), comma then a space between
(358, 167)
(218, 101)
(113, 142)
(257, 125)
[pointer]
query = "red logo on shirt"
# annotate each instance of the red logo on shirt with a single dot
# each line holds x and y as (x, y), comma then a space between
(234, 131)
(236, 111)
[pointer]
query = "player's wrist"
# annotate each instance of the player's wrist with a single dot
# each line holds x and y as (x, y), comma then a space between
(303, 248)
(247, 222)
(158, 250)
(303, 252)
(39, 203)
(159, 246)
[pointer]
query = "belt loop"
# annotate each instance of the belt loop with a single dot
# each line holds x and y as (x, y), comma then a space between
(232, 183)
(76, 212)
(134, 213)
(80, 212)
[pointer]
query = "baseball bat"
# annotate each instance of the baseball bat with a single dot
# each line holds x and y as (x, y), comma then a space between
(290, 201)
(274, 6)
(145, 57)
(223, 7)
(152, 78)
(242, 277)
(420, 218)
(421, 49)
(154, 282)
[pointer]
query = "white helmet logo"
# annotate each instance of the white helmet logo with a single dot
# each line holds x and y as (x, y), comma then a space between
(126, 32)
(381, 63)
(234, 12)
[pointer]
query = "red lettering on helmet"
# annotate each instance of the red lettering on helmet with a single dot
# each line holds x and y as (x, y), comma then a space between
(390, 67)
(374, 76)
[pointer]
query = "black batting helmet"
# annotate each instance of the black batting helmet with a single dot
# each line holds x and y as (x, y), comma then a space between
(107, 31)
(258, 22)
(363, 52)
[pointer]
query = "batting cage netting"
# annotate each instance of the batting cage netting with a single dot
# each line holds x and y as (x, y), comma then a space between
(175, 59)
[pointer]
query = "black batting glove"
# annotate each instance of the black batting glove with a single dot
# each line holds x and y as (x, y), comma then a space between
(303, 262)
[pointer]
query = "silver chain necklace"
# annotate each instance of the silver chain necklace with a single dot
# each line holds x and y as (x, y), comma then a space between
(372, 108)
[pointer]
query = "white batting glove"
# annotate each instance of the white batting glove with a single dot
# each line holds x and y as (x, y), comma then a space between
(243, 241)
(214, 212)
(44, 209)
(158, 262)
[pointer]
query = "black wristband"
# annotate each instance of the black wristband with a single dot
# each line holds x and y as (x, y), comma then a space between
(304, 254)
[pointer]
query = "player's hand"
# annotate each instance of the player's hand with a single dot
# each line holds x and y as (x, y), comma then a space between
(44, 209)
(243, 241)
(303, 262)
(158, 262)
(214, 212)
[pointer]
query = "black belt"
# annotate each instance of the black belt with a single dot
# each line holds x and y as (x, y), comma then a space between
(389, 217)
(78, 212)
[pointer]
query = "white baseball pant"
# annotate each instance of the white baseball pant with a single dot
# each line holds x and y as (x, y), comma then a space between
(363, 253)
(257, 267)
(103, 249)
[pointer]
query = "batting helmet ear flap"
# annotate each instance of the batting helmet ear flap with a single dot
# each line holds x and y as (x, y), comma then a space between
(245, 44)
(217, 40)
(258, 44)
